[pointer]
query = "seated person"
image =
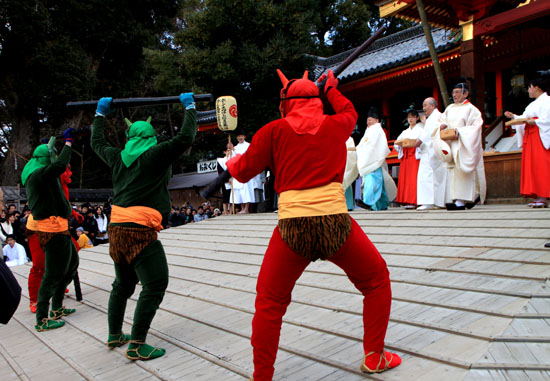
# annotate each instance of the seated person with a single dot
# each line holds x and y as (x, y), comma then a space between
(14, 253)
(83, 241)
(200, 215)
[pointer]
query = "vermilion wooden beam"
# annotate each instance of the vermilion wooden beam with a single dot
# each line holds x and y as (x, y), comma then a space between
(512, 17)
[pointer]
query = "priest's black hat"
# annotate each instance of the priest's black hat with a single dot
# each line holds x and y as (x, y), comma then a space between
(239, 131)
(463, 86)
(373, 113)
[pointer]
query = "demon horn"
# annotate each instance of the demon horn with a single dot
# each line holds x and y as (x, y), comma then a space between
(282, 77)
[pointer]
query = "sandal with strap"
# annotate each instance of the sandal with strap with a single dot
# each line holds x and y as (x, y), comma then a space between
(48, 325)
(138, 350)
(117, 339)
(539, 204)
(379, 362)
(59, 313)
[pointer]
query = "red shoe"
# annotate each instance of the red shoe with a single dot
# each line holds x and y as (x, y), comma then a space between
(33, 307)
(379, 362)
(66, 291)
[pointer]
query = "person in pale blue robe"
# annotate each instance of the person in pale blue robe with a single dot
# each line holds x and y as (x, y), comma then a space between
(378, 187)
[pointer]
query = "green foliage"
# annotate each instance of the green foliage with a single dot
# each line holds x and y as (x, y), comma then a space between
(235, 47)
(56, 51)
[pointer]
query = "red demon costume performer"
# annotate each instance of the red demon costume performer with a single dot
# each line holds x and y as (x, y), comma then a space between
(313, 218)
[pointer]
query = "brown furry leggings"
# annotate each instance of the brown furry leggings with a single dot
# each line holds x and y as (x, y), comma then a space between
(127, 242)
(318, 237)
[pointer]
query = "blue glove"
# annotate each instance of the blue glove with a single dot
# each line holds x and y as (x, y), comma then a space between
(187, 100)
(104, 107)
(68, 134)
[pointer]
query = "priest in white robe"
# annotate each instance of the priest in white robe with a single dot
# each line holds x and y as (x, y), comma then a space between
(378, 187)
(432, 173)
(463, 156)
(534, 137)
(242, 193)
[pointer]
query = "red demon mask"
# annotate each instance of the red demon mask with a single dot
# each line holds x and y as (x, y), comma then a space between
(300, 104)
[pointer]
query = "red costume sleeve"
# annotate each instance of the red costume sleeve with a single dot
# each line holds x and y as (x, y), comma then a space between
(346, 115)
(300, 161)
(256, 158)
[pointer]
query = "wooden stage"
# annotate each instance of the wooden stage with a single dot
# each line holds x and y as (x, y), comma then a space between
(471, 300)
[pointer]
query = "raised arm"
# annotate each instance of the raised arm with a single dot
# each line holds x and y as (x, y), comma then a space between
(256, 158)
(58, 167)
(97, 141)
(168, 152)
(345, 112)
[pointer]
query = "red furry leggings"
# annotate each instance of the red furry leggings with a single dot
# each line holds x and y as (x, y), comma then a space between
(37, 269)
(280, 270)
(38, 266)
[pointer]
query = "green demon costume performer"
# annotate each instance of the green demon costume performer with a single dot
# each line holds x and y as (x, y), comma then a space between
(141, 172)
(51, 210)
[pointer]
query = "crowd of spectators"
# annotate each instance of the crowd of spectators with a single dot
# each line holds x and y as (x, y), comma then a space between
(91, 229)
(93, 225)
(187, 214)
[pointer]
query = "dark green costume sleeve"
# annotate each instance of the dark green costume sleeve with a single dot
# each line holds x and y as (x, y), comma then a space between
(56, 169)
(44, 192)
(100, 146)
(145, 181)
(165, 153)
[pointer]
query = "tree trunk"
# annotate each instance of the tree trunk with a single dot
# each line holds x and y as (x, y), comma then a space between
(20, 151)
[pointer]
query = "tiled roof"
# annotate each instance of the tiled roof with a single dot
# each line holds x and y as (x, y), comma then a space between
(191, 180)
(388, 52)
(206, 117)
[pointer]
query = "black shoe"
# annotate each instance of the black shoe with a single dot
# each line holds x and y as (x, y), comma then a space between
(547, 244)
(470, 205)
(361, 204)
(453, 206)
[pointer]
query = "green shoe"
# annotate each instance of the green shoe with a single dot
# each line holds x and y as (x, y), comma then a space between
(48, 325)
(142, 351)
(117, 340)
(59, 313)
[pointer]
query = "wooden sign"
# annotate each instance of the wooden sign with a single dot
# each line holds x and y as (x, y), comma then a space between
(207, 166)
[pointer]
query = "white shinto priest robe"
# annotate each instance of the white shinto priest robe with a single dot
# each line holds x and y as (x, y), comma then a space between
(464, 156)
(432, 173)
(242, 193)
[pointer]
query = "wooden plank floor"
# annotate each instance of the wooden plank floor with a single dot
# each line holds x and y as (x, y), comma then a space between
(471, 300)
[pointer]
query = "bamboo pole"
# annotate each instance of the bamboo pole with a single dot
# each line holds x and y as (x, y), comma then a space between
(433, 53)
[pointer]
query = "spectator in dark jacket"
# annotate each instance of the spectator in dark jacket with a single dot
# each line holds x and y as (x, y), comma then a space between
(90, 225)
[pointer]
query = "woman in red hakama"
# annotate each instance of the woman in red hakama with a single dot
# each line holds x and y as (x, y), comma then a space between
(409, 163)
(534, 136)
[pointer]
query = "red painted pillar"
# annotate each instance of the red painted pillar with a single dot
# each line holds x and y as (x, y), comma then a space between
(498, 92)
(437, 98)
